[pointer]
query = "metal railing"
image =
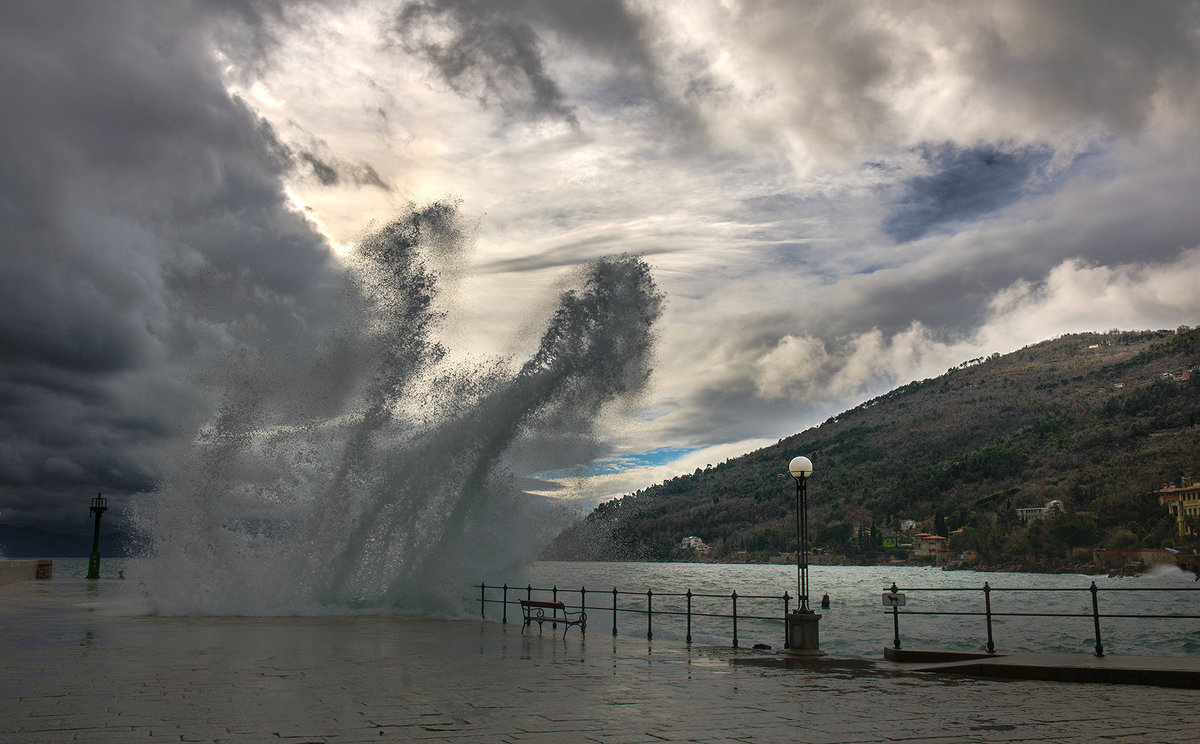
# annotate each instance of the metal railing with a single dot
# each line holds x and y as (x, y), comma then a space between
(616, 602)
(898, 599)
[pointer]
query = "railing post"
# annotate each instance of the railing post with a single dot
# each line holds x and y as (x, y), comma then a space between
(529, 592)
(787, 628)
(649, 615)
(734, 598)
(1096, 619)
(554, 598)
(482, 600)
(689, 615)
(504, 619)
(987, 608)
(895, 619)
(614, 612)
(583, 608)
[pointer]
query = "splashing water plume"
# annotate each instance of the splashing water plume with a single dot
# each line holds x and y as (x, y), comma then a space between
(364, 472)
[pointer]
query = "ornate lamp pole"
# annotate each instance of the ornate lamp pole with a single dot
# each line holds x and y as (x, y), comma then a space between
(803, 625)
(801, 468)
(99, 506)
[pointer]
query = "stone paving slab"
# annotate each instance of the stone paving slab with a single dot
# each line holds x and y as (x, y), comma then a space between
(72, 668)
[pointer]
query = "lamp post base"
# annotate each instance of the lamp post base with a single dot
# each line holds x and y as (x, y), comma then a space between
(803, 633)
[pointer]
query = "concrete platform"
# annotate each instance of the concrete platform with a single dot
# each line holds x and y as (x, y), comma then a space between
(74, 668)
(25, 570)
(1127, 670)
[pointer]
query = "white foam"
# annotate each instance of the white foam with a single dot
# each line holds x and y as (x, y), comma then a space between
(363, 473)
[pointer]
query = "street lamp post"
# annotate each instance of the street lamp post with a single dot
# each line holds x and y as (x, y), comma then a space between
(802, 624)
(801, 468)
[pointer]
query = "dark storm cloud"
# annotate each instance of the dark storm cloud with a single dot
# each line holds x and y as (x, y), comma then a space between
(324, 172)
(331, 171)
(486, 56)
(146, 233)
(965, 183)
(495, 52)
(1113, 62)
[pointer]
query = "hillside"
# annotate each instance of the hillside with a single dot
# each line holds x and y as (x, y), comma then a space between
(1088, 419)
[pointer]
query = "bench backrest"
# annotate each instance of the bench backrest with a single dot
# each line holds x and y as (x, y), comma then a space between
(536, 603)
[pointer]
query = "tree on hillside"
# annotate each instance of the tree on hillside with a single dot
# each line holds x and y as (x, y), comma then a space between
(836, 537)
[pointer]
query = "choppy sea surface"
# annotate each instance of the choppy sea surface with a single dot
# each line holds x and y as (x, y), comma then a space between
(856, 624)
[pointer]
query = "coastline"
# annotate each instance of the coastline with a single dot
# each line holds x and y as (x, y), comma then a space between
(1184, 562)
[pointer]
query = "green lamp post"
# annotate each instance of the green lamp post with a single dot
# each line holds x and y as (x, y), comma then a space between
(99, 506)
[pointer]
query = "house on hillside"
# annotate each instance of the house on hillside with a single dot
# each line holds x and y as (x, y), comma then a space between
(930, 546)
(694, 543)
(1182, 502)
(1049, 509)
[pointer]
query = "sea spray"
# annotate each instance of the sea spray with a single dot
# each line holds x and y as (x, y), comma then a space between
(363, 471)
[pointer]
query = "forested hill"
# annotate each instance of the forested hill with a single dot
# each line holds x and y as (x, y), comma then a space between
(1096, 420)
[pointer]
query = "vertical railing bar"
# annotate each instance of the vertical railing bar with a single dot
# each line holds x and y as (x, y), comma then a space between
(987, 608)
(689, 615)
(787, 628)
(1096, 619)
(614, 612)
(649, 615)
(735, 638)
(895, 620)
(482, 601)
(504, 620)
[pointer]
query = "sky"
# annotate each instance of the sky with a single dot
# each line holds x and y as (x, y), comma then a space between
(835, 198)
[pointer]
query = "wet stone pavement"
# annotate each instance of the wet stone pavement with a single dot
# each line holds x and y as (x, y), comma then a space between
(72, 668)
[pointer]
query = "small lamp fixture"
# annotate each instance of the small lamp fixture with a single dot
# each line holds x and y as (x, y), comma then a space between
(800, 467)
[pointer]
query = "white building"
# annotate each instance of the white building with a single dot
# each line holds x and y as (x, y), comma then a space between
(1049, 509)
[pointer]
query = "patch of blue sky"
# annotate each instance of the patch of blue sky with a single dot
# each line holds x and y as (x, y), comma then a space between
(963, 184)
(620, 463)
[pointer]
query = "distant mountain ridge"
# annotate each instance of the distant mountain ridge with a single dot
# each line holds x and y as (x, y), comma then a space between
(1096, 420)
(34, 542)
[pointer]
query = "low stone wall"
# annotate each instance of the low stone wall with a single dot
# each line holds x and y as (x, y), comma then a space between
(13, 571)
(1110, 559)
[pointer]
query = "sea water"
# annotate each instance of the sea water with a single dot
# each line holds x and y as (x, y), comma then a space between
(856, 624)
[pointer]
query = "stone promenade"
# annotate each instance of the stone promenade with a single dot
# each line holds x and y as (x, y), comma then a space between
(74, 669)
